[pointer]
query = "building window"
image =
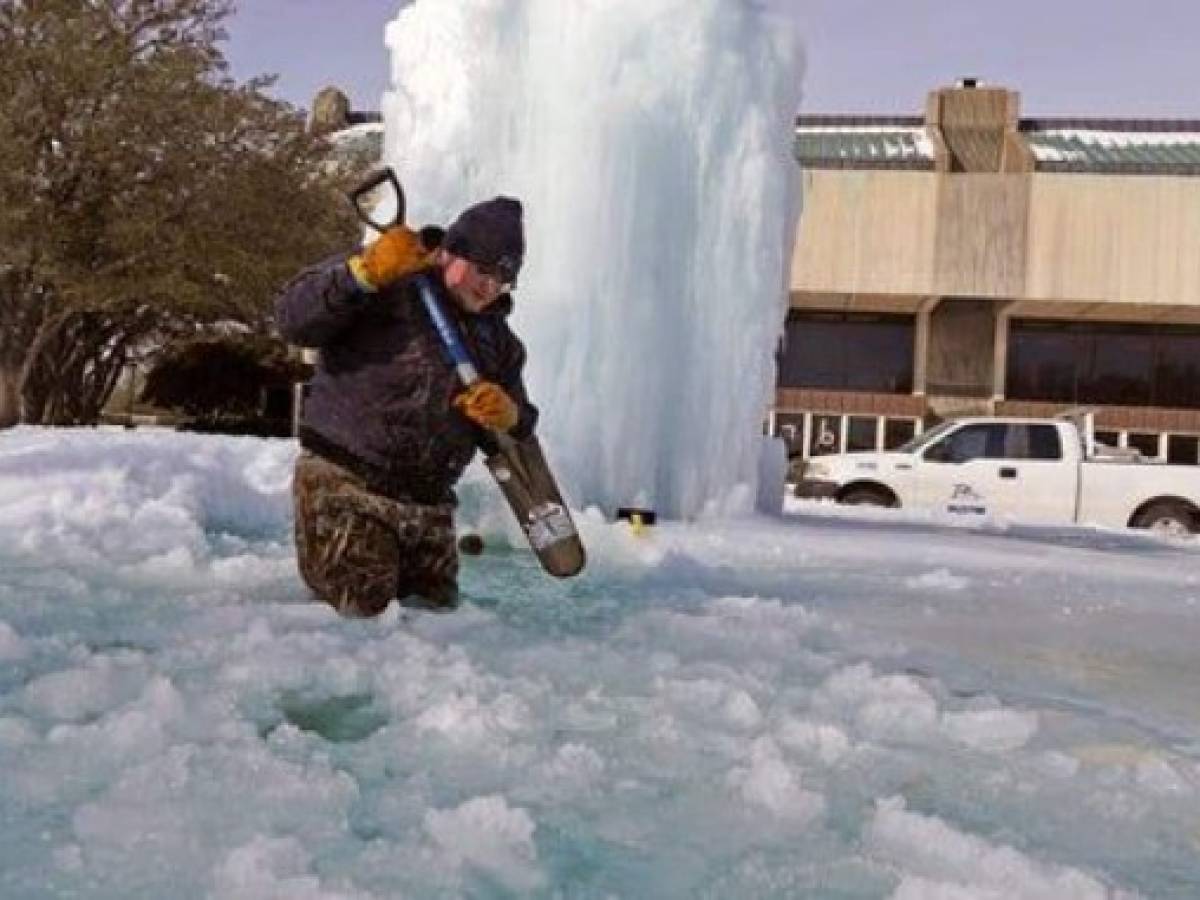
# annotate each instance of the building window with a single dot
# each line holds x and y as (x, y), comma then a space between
(1118, 368)
(861, 433)
(1105, 363)
(1145, 444)
(848, 351)
(826, 435)
(790, 427)
(898, 432)
(1042, 364)
(1177, 370)
(1183, 450)
(809, 434)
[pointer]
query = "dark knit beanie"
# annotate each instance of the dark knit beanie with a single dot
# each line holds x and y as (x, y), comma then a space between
(490, 235)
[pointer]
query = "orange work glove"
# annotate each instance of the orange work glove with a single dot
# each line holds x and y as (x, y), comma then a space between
(488, 405)
(397, 252)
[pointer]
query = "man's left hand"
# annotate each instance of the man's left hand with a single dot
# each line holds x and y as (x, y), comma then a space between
(487, 404)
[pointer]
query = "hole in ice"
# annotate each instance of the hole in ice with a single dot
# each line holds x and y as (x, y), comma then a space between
(341, 720)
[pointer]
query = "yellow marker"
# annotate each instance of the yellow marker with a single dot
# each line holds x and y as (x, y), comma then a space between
(635, 522)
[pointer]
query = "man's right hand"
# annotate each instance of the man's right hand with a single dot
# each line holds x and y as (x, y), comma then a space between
(397, 252)
(489, 405)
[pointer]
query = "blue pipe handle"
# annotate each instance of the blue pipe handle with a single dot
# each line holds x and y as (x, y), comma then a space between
(446, 330)
(463, 365)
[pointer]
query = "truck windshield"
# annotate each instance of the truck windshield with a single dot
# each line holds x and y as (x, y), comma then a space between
(926, 437)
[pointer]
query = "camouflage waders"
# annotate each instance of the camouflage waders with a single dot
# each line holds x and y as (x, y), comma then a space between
(357, 550)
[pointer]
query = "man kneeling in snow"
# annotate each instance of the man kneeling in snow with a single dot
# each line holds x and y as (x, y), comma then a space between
(387, 429)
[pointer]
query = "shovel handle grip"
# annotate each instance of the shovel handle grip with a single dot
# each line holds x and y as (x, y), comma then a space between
(370, 183)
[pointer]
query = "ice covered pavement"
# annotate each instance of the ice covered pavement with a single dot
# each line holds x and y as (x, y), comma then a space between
(813, 706)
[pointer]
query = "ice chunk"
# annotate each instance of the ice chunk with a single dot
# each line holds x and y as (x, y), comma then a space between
(12, 646)
(828, 743)
(937, 860)
(266, 868)
(995, 730)
(769, 783)
(487, 834)
(885, 708)
(79, 693)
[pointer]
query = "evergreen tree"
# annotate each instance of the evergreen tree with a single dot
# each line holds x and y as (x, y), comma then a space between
(143, 194)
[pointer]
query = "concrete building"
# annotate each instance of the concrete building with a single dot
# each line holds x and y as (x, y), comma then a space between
(972, 261)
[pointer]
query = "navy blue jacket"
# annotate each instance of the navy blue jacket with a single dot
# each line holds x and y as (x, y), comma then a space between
(383, 387)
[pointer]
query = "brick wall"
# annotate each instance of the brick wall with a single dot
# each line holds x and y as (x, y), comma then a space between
(849, 402)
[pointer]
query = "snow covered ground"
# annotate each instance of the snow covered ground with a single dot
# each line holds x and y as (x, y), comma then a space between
(824, 704)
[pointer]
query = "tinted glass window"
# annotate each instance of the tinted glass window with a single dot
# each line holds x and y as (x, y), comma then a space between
(790, 427)
(1043, 364)
(861, 433)
(1177, 371)
(1119, 370)
(850, 351)
(1183, 450)
(1043, 442)
(999, 440)
(1146, 444)
(1097, 362)
(898, 432)
(981, 441)
(826, 435)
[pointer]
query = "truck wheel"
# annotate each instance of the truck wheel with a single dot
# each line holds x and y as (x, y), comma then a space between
(1167, 517)
(865, 496)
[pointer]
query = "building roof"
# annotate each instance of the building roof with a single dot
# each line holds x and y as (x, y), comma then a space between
(1111, 146)
(1165, 147)
(863, 142)
(365, 137)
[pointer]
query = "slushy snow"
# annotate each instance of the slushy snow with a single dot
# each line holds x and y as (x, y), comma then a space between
(763, 707)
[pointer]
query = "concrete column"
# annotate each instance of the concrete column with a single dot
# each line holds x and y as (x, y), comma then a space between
(960, 377)
(1000, 348)
(921, 345)
(961, 334)
(975, 123)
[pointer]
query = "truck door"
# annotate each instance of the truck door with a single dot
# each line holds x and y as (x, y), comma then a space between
(954, 474)
(1041, 478)
(1006, 469)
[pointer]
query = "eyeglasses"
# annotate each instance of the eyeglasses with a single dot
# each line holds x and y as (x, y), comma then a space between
(502, 275)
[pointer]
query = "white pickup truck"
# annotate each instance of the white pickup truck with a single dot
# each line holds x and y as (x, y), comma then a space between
(1033, 470)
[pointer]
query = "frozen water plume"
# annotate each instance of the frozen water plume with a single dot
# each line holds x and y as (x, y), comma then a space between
(651, 145)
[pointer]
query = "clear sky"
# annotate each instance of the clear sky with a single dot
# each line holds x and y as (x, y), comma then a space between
(1067, 57)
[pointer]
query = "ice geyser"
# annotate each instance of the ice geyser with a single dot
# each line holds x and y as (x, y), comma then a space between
(650, 141)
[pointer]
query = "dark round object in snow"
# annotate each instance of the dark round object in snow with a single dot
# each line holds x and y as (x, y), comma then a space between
(470, 545)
